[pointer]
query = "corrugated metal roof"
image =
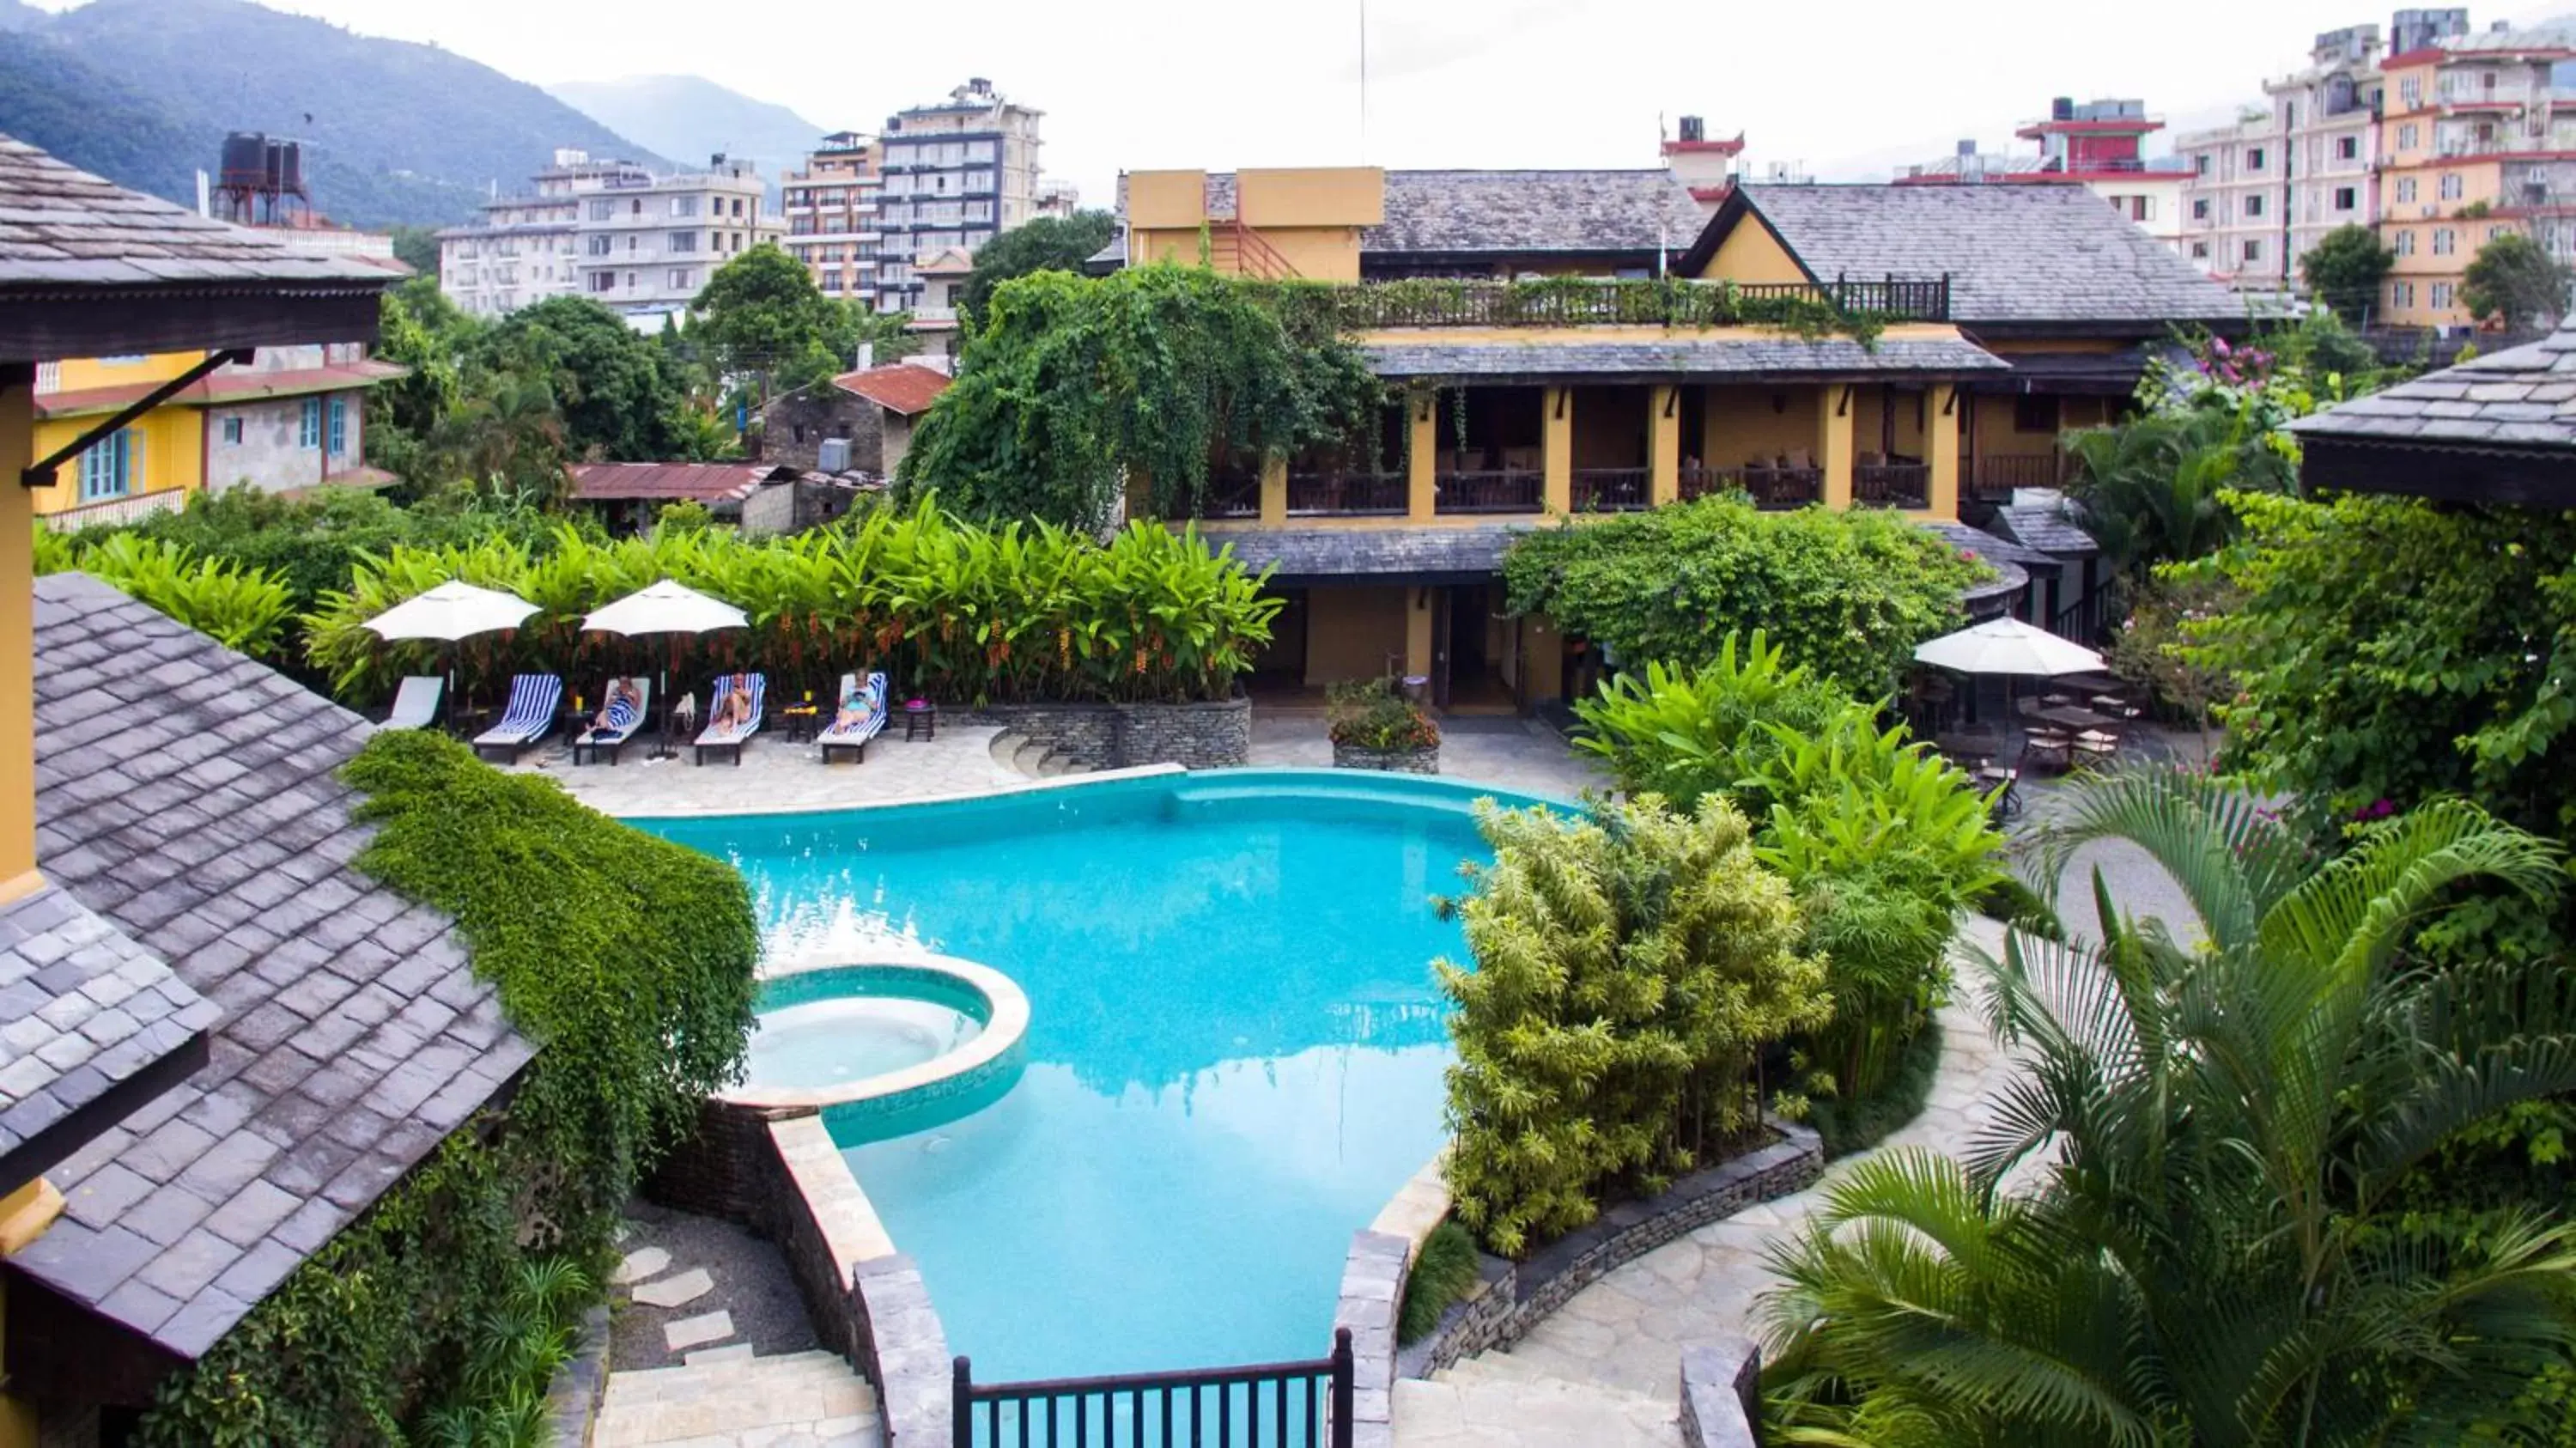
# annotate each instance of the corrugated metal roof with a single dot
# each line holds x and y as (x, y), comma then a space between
(702, 482)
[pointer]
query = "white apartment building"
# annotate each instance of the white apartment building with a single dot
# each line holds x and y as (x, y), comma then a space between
(831, 210)
(642, 244)
(954, 176)
(2235, 203)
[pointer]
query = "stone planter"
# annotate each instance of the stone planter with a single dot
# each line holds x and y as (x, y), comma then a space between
(1395, 761)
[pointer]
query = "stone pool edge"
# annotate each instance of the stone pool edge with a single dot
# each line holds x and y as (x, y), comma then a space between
(1006, 1025)
(959, 796)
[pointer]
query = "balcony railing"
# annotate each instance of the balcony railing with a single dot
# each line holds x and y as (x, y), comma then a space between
(1348, 495)
(1585, 301)
(1771, 489)
(1612, 490)
(1272, 1405)
(117, 512)
(1892, 485)
(1993, 479)
(1503, 491)
(1236, 497)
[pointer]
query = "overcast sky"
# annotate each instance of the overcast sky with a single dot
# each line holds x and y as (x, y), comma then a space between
(1848, 88)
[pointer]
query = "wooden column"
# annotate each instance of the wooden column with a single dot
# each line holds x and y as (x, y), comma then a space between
(1941, 447)
(1422, 487)
(1274, 492)
(18, 634)
(1556, 450)
(1835, 403)
(1663, 445)
(1417, 632)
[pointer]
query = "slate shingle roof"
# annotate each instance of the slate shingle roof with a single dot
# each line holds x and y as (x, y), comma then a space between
(187, 794)
(61, 225)
(2047, 529)
(2522, 396)
(1450, 212)
(2013, 253)
(1428, 553)
(84, 1009)
(1681, 357)
(2011, 563)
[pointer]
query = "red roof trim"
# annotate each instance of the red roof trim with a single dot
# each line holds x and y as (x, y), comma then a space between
(703, 482)
(224, 387)
(902, 387)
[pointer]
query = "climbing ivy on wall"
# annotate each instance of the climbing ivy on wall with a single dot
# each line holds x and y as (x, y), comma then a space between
(628, 961)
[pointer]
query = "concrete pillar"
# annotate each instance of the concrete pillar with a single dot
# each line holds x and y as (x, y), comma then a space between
(17, 635)
(1663, 445)
(1556, 447)
(1834, 405)
(1417, 632)
(1274, 492)
(1941, 447)
(1422, 487)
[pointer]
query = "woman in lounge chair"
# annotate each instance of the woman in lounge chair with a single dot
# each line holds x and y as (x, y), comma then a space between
(733, 708)
(619, 709)
(854, 707)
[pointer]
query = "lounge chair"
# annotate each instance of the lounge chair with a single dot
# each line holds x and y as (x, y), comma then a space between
(731, 738)
(531, 715)
(625, 715)
(870, 723)
(416, 702)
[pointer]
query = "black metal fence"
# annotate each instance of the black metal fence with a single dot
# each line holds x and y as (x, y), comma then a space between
(1267, 1405)
(1612, 490)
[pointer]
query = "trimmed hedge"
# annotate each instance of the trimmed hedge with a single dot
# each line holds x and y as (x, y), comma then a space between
(629, 961)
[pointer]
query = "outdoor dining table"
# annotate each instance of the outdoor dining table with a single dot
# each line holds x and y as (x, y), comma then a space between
(2074, 719)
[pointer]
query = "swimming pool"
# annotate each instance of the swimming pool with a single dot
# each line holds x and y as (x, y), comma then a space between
(1234, 1053)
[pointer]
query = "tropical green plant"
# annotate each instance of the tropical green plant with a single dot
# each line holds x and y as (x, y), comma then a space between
(2515, 281)
(2344, 269)
(2153, 490)
(1632, 965)
(1374, 714)
(761, 315)
(1686, 733)
(1444, 1268)
(949, 609)
(244, 609)
(1847, 594)
(1048, 243)
(628, 961)
(2212, 1134)
(565, 379)
(1073, 387)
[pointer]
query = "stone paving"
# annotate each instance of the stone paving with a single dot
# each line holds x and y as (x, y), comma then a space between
(777, 775)
(1508, 753)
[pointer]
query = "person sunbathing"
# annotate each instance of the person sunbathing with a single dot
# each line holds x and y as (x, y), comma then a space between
(855, 708)
(733, 711)
(618, 711)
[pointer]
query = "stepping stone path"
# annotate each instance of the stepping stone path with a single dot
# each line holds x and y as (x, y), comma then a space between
(1614, 1351)
(723, 1395)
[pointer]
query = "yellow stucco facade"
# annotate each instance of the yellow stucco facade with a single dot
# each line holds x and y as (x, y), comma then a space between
(26, 1212)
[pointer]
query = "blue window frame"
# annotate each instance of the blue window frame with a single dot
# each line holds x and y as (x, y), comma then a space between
(107, 470)
(308, 430)
(339, 427)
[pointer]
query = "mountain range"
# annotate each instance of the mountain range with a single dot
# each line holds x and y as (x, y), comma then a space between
(143, 92)
(691, 119)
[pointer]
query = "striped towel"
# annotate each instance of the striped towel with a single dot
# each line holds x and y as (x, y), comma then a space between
(623, 711)
(532, 705)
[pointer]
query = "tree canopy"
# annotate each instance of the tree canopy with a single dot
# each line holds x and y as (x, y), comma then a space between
(761, 314)
(1074, 384)
(1050, 243)
(2514, 281)
(2344, 270)
(616, 392)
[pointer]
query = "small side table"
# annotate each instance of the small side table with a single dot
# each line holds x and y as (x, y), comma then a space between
(920, 720)
(800, 721)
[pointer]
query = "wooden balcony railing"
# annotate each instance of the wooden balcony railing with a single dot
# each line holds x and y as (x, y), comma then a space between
(1993, 479)
(1772, 489)
(1231, 498)
(1590, 301)
(1348, 495)
(1612, 490)
(1503, 491)
(1892, 485)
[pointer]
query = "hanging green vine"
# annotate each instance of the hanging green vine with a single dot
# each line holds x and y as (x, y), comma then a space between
(1811, 312)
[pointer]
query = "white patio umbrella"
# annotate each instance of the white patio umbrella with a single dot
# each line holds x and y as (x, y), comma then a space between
(667, 607)
(2008, 646)
(453, 610)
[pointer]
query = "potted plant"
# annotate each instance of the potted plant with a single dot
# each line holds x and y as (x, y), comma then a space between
(1374, 726)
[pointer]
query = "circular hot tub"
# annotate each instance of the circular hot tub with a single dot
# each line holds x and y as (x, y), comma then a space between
(882, 1049)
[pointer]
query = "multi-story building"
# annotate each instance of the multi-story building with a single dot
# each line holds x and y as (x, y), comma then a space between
(2099, 145)
(2009, 313)
(2474, 142)
(291, 418)
(2234, 203)
(1056, 198)
(610, 230)
(831, 210)
(955, 175)
(2261, 192)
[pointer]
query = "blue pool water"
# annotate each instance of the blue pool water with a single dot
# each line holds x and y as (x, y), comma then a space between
(1234, 1054)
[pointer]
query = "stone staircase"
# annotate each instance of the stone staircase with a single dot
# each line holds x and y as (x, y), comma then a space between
(729, 1398)
(1496, 1400)
(1019, 753)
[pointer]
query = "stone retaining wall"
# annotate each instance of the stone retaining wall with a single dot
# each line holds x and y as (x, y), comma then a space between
(1722, 1394)
(1392, 761)
(1214, 735)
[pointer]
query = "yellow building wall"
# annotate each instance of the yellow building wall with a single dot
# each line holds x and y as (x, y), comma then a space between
(79, 374)
(1166, 200)
(174, 455)
(1352, 632)
(1744, 426)
(17, 646)
(1319, 196)
(1751, 253)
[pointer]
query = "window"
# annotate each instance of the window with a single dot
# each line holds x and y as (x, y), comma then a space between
(308, 425)
(2034, 412)
(737, 206)
(684, 206)
(2346, 198)
(2404, 245)
(630, 281)
(2410, 94)
(2200, 251)
(232, 431)
(2495, 231)
(107, 470)
(2401, 294)
(2254, 204)
(2452, 186)
(2253, 158)
(2200, 208)
(684, 241)
(2254, 250)
(2441, 296)
(2405, 188)
(339, 447)
(2407, 134)
(602, 210)
(682, 278)
(2445, 241)
(2141, 208)
(49, 378)
(2347, 148)
(635, 207)
(2200, 165)
(598, 246)
(603, 281)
